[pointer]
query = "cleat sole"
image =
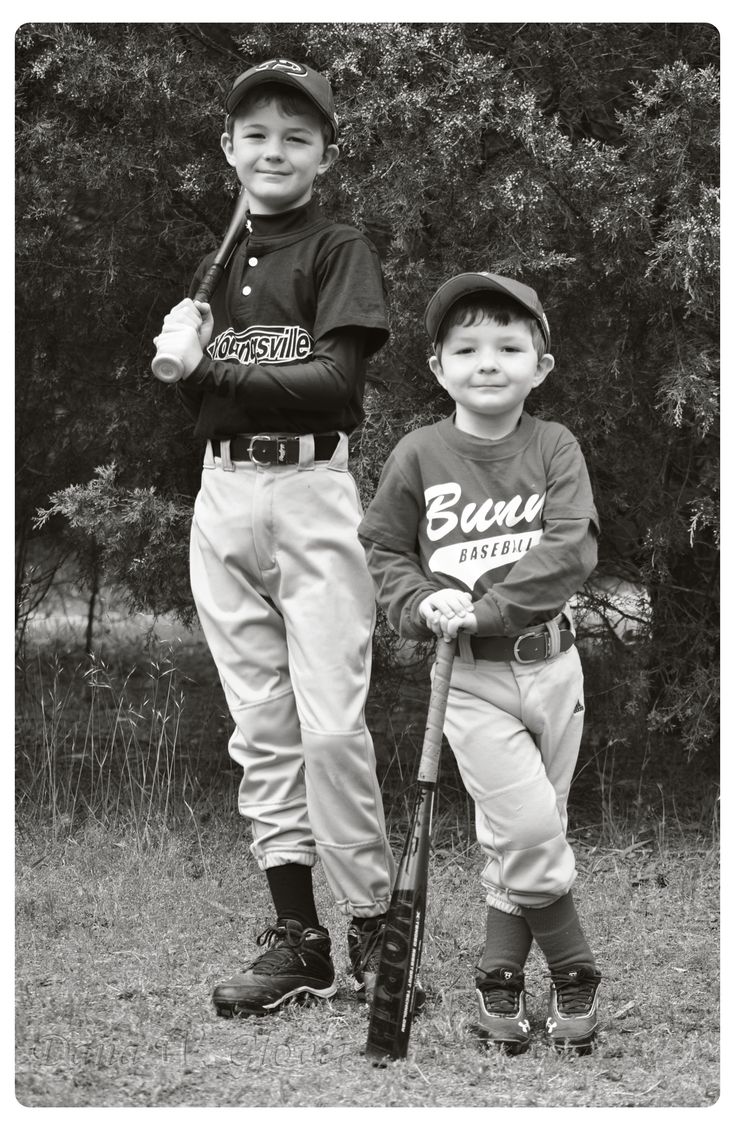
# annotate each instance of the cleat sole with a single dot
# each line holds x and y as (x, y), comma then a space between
(581, 1046)
(493, 1043)
(300, 996)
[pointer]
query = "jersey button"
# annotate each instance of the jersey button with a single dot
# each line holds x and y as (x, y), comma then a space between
(252, 262)
(246, 289)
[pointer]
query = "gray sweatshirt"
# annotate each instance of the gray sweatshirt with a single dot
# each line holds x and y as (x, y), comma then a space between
(510, 521)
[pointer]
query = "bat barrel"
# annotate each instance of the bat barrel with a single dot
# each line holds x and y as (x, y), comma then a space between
(392, 1006)
(391, 1011)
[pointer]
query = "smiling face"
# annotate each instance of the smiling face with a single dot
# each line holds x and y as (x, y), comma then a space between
(277, 155)
(489, 369)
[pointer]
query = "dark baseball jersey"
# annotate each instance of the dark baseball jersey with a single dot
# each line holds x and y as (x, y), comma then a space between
(301, 309)
(510, 521)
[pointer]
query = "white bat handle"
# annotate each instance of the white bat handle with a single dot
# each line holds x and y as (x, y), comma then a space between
(430, 753)
(167, 368)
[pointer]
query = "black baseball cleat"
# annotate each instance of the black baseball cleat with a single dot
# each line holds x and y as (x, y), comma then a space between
(501, 997)
(364, 944)
(295, 967)
(572, 1019)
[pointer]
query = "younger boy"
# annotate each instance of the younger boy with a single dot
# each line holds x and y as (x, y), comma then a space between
(274, 376)
(482, 528)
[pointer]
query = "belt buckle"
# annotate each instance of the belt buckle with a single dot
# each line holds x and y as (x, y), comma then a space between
(260, 438)
(532, 636)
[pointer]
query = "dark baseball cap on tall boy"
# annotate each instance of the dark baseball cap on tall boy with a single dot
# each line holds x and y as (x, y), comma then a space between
(312, 85)
(471, 283)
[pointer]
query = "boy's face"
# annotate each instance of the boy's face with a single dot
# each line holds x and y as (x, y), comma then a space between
(277, 157)
(489, 370)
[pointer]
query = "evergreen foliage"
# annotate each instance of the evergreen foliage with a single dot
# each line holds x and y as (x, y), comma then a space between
(582, 158)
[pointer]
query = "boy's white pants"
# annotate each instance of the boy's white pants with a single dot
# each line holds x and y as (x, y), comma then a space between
(287, 607)
(515, 730)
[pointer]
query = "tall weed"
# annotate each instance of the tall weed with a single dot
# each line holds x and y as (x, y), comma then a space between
(96, 744)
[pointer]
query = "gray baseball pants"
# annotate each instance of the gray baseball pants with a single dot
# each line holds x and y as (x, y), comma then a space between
(287, 608)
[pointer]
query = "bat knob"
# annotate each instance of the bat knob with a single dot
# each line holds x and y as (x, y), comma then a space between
(167, 368)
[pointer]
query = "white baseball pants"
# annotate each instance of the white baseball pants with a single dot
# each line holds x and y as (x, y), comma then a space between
(515, 730)
(287, 607)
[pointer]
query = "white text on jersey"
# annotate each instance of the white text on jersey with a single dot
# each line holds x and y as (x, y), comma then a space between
(441, 520)
(262, 345)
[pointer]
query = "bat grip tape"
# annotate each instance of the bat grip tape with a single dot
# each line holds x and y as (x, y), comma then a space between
(431, 750)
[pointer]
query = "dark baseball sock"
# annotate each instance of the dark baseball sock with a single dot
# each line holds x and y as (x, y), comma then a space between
(558, 931)
(292, 892)
(508, 940)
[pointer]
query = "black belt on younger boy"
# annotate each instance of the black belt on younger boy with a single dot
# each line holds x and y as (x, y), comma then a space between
(267, 450)
(530, 647)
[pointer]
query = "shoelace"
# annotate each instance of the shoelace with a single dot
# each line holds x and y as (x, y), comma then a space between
(501, 1000)
(574, 993)
(368, 942)
(501, 994)
(281, 950)
(271, 935)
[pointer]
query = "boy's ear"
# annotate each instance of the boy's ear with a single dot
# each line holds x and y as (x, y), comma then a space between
(331, 153)
(436, 367)
(544, 367)
(226, 143)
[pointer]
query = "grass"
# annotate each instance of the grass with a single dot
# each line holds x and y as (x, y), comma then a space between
(136, 892)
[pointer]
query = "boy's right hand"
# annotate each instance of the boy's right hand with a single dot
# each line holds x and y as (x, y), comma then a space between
(448, 612)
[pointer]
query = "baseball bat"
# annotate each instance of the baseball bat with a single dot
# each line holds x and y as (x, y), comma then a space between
(391, 1010)
(167, 367)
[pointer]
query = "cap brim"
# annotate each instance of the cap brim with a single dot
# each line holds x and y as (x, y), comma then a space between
(463, 285)
(283, 78)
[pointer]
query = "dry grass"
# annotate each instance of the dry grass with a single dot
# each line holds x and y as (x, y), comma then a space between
(136, 892)
(118, 948)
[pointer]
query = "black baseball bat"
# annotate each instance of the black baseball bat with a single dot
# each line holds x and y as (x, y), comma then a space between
(167, 367)
(391, 1009)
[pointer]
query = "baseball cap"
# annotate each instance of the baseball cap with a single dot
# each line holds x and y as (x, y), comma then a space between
(313, 85)
(474, 281)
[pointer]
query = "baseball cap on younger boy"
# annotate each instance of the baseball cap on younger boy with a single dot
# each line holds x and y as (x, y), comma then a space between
(312, 85)
(474, 281)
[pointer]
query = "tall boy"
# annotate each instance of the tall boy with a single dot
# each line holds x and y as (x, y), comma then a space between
(274, 376)
(482, 528)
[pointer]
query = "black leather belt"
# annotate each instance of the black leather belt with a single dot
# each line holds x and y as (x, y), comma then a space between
(275, 449)
(527, 648)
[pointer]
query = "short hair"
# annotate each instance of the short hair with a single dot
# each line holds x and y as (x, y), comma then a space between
(500, 308)
(287, 100)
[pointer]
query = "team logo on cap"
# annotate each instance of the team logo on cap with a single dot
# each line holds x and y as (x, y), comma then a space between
(282, 65)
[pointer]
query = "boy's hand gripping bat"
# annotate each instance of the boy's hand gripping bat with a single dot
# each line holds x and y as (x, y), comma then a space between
(167, 367)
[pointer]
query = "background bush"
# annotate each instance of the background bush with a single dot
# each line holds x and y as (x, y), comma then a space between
(583, 158)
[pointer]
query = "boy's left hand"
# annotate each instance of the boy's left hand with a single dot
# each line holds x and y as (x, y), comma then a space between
(449, 612)
(180, 339)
